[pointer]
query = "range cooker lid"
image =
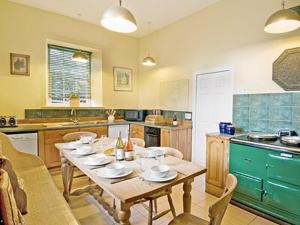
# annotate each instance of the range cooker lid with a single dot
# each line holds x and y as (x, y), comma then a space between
(262, 136)
(290, 140)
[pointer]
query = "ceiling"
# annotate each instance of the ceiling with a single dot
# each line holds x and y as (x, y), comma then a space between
(159, 12)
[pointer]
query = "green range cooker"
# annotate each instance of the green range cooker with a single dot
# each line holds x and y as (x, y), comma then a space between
(268, 174)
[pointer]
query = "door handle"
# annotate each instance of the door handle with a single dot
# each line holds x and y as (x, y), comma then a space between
(286, 155)
(247, 160)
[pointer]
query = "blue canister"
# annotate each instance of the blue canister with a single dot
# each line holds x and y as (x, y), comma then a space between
(223, 126)
(230, 130)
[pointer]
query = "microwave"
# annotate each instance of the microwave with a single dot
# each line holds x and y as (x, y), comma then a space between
(135, 115)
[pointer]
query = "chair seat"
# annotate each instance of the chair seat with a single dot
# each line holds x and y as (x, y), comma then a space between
(188, 219)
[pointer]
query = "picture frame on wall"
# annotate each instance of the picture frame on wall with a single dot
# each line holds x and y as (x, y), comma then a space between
(19, 64)
(122, 79)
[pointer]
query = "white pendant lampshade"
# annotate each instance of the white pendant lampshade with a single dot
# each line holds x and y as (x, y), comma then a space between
(149, 61)
(282, 21)
(119, 19)
(79, 56)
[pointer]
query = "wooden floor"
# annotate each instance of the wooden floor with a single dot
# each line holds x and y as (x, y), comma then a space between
(88, 212)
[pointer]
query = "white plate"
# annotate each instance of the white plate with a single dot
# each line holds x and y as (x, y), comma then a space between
(94, 160)
(79, 152)
(71, 145)
(149, 176)
(102, 173)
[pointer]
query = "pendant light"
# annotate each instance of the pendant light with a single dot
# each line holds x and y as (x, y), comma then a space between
(282, 21)
(79, 56)
(149, 61)
(119, 19)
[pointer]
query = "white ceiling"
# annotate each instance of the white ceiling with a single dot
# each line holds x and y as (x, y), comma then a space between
(159, 12)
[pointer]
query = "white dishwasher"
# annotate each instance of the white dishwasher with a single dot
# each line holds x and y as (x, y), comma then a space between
(25, 142)
(113, 131)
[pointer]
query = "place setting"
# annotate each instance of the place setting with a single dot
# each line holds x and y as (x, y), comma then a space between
(83, 151)
(97, 160)
(159, 173)
(116, 172)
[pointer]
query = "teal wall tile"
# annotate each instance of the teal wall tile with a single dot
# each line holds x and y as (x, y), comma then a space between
(258, 125)
(259, 100)
(259, 113)
(296, 99)
(242, 124)
(296, 114)
(282, 99)
(240, 100)
(280, 113)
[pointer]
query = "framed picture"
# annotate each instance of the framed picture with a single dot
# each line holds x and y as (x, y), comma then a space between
(19, 64)
(122, 79)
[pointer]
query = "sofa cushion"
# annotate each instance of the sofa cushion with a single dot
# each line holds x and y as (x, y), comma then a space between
(9, 210)
(17, 183)
(46, 204)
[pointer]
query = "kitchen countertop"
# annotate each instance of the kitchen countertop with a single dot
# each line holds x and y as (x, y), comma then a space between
(69, 125)
(271, 145)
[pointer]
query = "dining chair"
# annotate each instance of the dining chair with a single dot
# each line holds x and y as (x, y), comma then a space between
(74, 136)
(138, 141)
(153, 198)
(216, 210)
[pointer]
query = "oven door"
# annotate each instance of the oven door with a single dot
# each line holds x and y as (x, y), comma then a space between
(152, 140)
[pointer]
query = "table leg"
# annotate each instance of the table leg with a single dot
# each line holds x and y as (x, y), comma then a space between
(187, 198)
(67, 170)
(124, 213)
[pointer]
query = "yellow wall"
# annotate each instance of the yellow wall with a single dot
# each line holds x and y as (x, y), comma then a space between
(228, 33)
(25, 30)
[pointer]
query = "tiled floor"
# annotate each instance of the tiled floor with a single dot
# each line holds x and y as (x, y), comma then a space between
(88, 212)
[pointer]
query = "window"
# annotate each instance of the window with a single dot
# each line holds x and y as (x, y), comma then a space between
(67, 76)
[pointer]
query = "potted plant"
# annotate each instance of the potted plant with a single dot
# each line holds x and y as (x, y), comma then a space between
(74, 96)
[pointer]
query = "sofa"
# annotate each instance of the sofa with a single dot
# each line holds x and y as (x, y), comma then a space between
(45, 204)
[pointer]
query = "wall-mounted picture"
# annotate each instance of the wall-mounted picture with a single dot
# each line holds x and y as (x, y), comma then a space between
(19, 64)
(122, 79)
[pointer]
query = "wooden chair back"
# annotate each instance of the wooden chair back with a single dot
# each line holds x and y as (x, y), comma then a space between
(77, 135)
(173, 152)
(218, 209)
(138, 141)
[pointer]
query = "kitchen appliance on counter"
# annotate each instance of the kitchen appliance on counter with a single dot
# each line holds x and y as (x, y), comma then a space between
(152, 137)
(135, 115)
(262, 137)
(8, 121)
(25, 142)
(155, 120)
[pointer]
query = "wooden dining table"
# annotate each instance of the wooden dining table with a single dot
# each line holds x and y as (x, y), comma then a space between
(127, 191)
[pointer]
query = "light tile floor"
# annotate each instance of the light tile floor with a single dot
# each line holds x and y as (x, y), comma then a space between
(88, 212)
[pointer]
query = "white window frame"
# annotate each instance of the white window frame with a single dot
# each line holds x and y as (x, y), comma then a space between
(96, 75)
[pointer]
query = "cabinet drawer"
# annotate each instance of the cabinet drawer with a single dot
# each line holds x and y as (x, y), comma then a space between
(247, 160)
(249, 186)
(284, 197)
(57, 134)
(283, 167)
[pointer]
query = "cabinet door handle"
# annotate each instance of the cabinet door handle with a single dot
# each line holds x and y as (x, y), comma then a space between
(247, 160)
(286, 155)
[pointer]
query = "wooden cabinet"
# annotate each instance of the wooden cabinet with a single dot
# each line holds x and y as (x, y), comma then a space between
(217, 155)
(180, 139)
(48, 139)
(137, 131)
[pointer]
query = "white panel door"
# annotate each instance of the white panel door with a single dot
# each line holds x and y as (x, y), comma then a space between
(213, 104)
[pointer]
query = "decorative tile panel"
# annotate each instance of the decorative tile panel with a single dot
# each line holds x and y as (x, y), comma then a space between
(267, 112)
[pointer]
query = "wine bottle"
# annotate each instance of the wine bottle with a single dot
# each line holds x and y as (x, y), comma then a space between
(175, 123)
(129, 150)
(120, 148)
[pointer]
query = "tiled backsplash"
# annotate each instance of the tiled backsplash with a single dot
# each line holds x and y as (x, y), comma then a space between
(65, 113)
(267, 112)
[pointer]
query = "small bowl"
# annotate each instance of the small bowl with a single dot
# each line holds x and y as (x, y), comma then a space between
(97, 158)
(86, 139)
(160, 170)
(114, 169)
(84, 148)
